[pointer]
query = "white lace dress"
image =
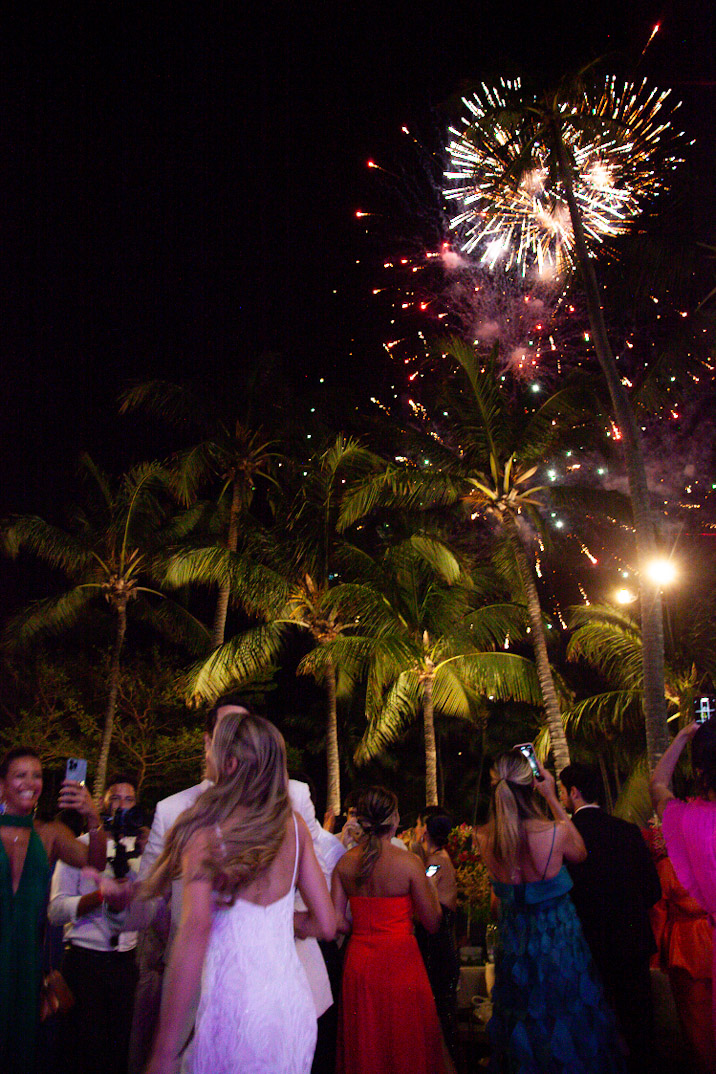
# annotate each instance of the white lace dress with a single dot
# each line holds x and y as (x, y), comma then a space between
(256, 1014)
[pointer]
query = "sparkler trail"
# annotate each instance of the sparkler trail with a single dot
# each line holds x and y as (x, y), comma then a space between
(513, 210)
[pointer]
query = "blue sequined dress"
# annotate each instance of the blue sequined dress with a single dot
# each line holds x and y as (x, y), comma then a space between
(549, 1011)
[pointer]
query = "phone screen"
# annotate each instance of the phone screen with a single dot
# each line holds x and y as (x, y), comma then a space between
(704, 709)
(76, 769)
(431, 870)
(528, 751)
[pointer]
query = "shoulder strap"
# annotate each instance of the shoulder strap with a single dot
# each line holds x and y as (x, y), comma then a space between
(549, 856)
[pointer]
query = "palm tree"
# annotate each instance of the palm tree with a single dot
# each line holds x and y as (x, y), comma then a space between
(533, 135)
(230, 453)
(290, 581)
(486, 459)
(433, 650)
(115, 546)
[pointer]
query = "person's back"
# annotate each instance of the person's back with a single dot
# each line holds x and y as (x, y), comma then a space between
(384, 976)
(549, 1013)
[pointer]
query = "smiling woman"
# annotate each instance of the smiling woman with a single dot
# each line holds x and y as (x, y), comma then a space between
(28, 850)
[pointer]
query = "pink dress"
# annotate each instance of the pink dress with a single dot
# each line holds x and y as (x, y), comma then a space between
(689, 830)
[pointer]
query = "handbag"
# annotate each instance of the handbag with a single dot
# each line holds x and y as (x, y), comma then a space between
(55, 995)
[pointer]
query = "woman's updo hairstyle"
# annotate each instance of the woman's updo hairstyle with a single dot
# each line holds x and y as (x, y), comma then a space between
(703, 757)
(512, 803)
(376, 812)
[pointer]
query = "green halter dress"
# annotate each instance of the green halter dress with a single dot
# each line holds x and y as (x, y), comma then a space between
(21, 928)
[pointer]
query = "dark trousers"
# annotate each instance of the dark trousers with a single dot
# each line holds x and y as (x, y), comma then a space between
(95, 1035)
(628, 992)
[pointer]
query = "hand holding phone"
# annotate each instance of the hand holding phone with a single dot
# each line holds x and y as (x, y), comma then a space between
(528, 751)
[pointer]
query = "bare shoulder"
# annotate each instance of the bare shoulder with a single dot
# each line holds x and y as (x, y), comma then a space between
(347, 866)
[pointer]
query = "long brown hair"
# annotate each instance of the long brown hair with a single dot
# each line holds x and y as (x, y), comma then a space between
(245, 812)
(511, 803)
(376, 809)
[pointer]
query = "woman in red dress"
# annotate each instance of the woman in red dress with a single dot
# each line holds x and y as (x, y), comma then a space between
(387, 1021)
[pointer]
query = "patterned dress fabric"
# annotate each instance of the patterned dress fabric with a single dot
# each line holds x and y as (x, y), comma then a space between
(549, 1012)
(387, 1022)
(256, 1012)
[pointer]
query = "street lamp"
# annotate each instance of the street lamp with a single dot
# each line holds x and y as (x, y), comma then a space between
(661, 571)
(624, 596)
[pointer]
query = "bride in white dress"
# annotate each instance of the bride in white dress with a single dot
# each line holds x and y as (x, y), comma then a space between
(241, 852)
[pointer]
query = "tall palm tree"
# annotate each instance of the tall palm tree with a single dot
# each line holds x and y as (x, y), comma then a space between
(533, 135)
(290, 580)
(231, 454)
(486, 458)
(113, 550)
(433, 650)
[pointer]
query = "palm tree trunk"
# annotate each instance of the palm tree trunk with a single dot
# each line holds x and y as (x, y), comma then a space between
(232, 541)
(652, 626)
(431, 756)
(608, 800)
(101, 778)
(560, 749)
(333, 790)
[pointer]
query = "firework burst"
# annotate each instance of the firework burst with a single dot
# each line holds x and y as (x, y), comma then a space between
(513, 209)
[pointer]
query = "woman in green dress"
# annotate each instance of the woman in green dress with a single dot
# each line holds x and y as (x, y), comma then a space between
(28, 851)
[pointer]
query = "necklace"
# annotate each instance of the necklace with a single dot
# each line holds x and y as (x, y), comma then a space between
(9, 820)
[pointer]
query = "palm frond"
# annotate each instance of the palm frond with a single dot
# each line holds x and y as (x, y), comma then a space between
(46, 617)
(237, 662)
(174, 622)
(397, 712)
(53, 546)
(260, 590)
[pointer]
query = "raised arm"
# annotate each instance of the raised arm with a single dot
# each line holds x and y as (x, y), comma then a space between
(183, 976)
(320, 918)
(661, 776)
(572, 844)
(64, 845)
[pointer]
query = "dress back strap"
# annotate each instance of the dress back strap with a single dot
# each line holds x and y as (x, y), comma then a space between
(549, 856)
(295, 860)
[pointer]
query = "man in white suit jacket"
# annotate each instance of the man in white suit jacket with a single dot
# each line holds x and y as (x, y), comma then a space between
(146, 1008)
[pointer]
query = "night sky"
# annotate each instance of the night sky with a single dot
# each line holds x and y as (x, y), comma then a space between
(179, 190)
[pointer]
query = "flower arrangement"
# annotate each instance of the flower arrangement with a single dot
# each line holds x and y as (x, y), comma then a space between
(473, 885)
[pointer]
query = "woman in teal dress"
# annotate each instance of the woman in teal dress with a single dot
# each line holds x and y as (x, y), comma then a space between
(549, 1012)
(28, 850)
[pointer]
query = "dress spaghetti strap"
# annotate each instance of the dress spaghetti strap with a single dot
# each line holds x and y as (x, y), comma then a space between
(549, 856)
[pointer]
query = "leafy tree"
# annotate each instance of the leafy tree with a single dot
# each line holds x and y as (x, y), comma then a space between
(112, 550)
(533, 129)
(427, 652)
(230, 453)
(289, 581)
(486, 459)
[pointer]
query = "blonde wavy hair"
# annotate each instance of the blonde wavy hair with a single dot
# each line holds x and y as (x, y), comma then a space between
(512, 801)
(375, 812)
(245, 812)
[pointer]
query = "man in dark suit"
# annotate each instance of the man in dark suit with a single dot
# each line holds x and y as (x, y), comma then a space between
(613, 890)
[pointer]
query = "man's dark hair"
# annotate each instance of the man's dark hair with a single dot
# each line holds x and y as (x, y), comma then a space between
(235, 699)
(438, 827)
(13, 755)
(122, 777)
(585, 778)
(351, 799)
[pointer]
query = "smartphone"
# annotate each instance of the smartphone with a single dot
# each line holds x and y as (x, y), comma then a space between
(76, 769)
(704, 709)
(528, 751)
(431, 870)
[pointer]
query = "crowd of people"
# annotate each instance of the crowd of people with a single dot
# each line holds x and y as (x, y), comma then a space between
(237, 934)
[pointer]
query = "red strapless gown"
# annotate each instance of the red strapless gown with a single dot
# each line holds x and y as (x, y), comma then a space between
(387, 1022)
